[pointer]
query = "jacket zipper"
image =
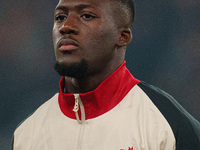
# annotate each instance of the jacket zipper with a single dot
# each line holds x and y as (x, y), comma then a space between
(78, 103)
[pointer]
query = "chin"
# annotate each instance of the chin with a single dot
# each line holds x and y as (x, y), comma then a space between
(73, 69)
(69, 61)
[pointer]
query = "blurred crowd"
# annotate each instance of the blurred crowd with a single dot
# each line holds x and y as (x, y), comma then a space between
(165, 52)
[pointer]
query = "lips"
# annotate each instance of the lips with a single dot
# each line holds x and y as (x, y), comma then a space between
(67, 45)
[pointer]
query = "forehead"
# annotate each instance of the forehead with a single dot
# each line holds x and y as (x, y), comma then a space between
(98, 4)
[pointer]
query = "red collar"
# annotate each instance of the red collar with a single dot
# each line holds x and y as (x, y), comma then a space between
(105, 97)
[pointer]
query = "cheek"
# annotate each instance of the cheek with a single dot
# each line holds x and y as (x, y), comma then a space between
(101, 37)
(99, 46)
(55, 35)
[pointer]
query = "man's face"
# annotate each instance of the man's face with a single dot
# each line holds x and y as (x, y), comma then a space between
(84, 31)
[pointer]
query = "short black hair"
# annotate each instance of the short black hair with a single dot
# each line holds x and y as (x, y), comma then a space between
(130, 5)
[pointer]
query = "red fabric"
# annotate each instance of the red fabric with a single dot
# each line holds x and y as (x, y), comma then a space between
(105, 97)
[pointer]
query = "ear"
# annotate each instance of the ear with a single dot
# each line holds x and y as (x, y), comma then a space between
(125, 37)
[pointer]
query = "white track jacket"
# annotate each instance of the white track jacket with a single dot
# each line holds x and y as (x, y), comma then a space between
(122, 113)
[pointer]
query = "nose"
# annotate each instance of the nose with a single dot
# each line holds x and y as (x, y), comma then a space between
(69, 26)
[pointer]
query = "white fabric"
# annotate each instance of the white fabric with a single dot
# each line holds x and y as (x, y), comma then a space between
(135, 123)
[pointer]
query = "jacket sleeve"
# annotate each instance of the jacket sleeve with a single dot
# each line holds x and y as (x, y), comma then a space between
(187, 135)
(186, 129)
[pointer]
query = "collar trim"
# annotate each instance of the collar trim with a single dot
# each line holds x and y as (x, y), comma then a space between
(105, 97)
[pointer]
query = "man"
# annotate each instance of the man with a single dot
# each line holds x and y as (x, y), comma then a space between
(101, 106)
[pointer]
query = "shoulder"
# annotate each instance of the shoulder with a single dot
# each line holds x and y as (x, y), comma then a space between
(29, 126)
(39, 113)
(186, 129)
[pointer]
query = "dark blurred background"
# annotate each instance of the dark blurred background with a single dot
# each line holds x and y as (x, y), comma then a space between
(165, 52)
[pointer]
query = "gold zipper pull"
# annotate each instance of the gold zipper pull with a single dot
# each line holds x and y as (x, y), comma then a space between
(76, 107)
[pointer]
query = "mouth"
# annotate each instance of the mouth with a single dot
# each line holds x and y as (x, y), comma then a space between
(67, 44)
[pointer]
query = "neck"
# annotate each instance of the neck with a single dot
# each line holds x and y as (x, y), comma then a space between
(73, 85)
(89, 83)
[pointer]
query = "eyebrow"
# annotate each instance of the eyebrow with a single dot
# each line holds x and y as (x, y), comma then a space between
(79, 7)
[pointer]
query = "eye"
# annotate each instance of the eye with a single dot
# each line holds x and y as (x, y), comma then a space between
(60, 18)
(88, 16)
